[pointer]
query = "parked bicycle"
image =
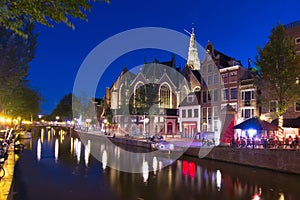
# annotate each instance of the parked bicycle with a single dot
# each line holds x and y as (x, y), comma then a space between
(3, 157)
(2, 171)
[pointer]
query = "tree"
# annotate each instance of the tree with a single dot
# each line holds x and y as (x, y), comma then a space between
(15, 54)
(25, 102)
(63, 109)
(14, 14)
(278, 71)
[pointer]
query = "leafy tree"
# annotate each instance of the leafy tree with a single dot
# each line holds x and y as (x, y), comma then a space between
(278, 71)
(25, 102)
(15, 54)
(63, 109)
(13, 14)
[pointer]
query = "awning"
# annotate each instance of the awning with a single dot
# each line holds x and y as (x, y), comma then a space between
(288, 123)
(257, 124)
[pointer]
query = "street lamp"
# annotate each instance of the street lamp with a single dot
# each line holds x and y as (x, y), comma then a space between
(146, 120)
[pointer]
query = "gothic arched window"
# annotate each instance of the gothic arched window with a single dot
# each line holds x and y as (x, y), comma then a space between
(165, 96)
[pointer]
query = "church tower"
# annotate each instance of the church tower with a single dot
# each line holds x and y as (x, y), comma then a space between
(193, 58)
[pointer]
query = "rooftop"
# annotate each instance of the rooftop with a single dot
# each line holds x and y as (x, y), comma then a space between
(292, 24)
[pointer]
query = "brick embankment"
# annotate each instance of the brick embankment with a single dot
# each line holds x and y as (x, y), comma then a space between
(282, 160)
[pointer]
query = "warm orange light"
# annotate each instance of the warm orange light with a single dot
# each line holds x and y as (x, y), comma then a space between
(8, 120)
(2, 119)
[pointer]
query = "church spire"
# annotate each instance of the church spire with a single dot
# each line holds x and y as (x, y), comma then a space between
(193, 58)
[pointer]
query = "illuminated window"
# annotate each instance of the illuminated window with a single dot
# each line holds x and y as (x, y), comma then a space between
(139, 95)
(165, 96)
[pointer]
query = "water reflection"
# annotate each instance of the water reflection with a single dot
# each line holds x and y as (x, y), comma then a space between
(39, 150)
(87, 150)
(56, 149)
(104, 159)
(219, 179)
(186, 178)
(145, 171)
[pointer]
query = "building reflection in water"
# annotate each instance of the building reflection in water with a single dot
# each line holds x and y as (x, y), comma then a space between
(186, 178)
(87, 150)
(42, 135)
(145, 171)
(104, 159)
(77, 149)
(72, 146)
(155, 164)
(219, 179)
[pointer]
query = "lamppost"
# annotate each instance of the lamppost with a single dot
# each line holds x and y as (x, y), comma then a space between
(146, 120)
(57, 118)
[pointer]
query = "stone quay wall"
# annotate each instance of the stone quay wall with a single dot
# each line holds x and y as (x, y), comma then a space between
(131, 142)
(282, 160)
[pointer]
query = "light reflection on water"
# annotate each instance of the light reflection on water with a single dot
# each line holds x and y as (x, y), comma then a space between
(186, 178)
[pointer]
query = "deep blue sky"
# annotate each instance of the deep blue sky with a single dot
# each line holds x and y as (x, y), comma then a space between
(236, 28)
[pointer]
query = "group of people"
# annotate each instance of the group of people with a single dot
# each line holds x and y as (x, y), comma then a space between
(247, 142)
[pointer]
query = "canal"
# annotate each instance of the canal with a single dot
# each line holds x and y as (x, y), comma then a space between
(56, 165)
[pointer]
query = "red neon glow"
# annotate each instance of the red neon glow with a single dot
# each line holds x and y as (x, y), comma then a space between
(192, 169)
(185, 167)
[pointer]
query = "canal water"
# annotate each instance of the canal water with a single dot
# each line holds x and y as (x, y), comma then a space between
(56, 165)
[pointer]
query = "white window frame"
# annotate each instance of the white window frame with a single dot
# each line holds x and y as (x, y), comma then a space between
(296, 40)
(237, 92)
(270, 106)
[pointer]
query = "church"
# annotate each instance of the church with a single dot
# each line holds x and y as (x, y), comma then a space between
(166, 100)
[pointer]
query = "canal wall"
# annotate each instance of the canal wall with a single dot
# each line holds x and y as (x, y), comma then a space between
(131, 142)
(283, 160)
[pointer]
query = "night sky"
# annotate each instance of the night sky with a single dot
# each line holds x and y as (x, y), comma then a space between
(235, 28)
